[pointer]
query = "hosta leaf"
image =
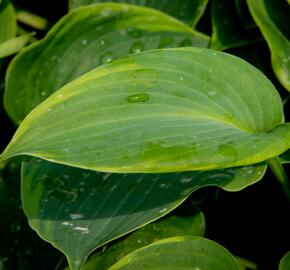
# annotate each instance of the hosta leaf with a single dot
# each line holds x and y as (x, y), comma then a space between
(159, 111)
(277, 39)
(188, 11)
(192, 224)
(80, 210)
(230, 30)
(174, 253)
(83, 40)
(14, 45)
(7, 21)
(285, 262)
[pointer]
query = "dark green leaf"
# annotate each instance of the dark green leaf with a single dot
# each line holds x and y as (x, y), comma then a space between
(78, 210)
(230, 30)
(188, 11)
(83, 40)
(271, 17)
(177, 253)
(159, 111)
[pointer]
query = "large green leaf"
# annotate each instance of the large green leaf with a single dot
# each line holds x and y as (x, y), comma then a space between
(285, 262)
(80, 210)
(159, 111)
(7, 21)
(188, 11)
(177, 253)
(267, 15)
(83, 40)
(230, 27)
(190, 224)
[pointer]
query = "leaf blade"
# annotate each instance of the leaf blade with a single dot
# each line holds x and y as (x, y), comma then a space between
(190, 252)
(95, 139)
(64, 196)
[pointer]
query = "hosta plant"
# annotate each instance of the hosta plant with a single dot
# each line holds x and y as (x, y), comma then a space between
(118, 112)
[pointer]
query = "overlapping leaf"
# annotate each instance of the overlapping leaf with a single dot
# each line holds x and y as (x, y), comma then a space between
(190, 224)
(271, 16)
(231, 27)
(188, 11)
(78, 210)
(83, 40)
(7, 21)
(285, 262)
(186, 252)
(159, 111)
(14, 45)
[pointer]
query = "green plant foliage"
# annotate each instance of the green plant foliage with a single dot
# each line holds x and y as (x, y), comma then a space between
(231, 26)
(188, 11)
(174, 253)
(271, 16)
(135, 108)
(104, 31)
(14, 45)
(285, 262)
(64, 211)
(246, 264)
(172, 226)
(7, 21)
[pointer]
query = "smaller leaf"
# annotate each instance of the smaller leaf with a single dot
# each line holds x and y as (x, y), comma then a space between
(32, 20)
(277, 40)
(285, 262)
(192, 224)
(14, 45)
(187, 252)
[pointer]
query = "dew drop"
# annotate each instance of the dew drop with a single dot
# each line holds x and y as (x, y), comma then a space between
(49, 109)
(185, 179)
(43, 93)
(106, 57)
(137, 47)
(84, 42)
(163, 210)
(181, 78)
(67, 224)
(102, 43)
(211, 93)
(143, 97)
(59, 95)
(75, 216)
(81, 230)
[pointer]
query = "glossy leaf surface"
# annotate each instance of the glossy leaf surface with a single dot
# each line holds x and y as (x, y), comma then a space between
(188, 11)
(79, 210)
(192, 224)
(83, 40)
(174, 253)
(277, 39)
(230, 29)
(7, 21)
(14, 45)
(159, 111)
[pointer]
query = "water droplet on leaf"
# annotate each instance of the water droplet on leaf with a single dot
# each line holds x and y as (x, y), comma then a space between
(138, 98)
